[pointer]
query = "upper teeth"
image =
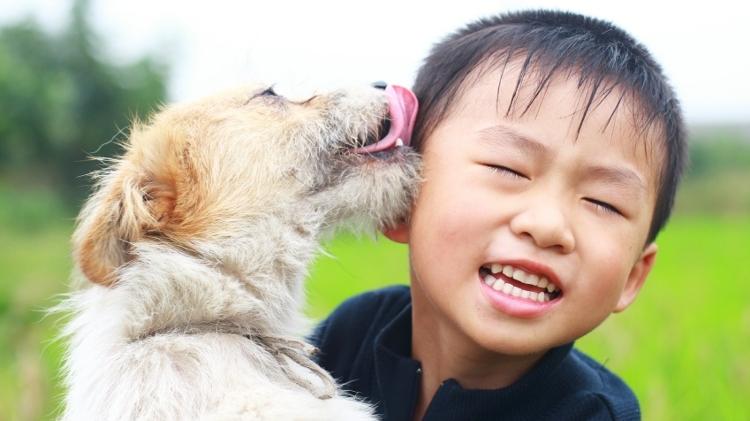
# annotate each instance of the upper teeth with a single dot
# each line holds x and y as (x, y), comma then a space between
(399, 143)
(521, 276)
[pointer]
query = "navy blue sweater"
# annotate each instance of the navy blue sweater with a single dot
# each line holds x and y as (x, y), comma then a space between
(366, 345)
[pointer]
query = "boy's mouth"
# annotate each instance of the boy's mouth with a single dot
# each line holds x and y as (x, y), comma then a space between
(520, 283)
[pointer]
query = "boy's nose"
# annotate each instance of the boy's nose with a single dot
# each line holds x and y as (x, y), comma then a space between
(546, 225)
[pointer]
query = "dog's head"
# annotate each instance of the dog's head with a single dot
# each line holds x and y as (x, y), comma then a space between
(211, 169)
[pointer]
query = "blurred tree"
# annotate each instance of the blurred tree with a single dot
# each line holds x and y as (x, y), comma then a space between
(717, 179)
(719, 149)
(61, 101)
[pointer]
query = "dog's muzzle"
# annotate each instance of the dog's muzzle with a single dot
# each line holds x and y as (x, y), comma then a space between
(396, 129)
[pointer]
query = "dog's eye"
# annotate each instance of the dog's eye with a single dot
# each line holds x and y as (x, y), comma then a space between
(268, 92)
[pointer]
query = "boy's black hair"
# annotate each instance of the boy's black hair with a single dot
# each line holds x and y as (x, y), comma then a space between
(551, 43)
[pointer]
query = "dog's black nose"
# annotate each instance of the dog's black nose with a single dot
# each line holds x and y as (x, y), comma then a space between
(380, 85)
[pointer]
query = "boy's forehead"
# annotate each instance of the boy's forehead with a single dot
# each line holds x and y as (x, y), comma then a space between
(611, 116)
(519, 91)
(518, 95)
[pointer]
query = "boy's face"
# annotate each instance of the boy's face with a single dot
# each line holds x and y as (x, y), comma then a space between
(529, 195)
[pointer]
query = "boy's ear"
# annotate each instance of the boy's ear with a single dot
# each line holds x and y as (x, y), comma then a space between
(637, 277)
(398, 233)
(127, 206)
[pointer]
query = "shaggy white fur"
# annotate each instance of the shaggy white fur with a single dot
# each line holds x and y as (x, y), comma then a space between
(194, 249)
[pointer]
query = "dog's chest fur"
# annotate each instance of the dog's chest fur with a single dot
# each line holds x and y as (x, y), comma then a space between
(194, 318)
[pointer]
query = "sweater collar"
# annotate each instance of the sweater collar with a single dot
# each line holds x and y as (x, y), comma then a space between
(396, 372)
(398, 376)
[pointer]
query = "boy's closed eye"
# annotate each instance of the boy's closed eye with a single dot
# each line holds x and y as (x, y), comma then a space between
(507, 171)
(602, 206)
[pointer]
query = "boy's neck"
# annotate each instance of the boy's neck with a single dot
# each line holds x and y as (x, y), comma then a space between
(447, 353)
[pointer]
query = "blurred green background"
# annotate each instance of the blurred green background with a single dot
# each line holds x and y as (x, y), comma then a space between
(683, 346)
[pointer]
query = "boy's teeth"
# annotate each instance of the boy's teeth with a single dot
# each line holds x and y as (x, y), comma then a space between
(532, 280)
(521, 276)
(509, 289)
(490, 280)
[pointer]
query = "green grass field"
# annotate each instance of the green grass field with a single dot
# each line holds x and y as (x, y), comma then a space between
(682, 346)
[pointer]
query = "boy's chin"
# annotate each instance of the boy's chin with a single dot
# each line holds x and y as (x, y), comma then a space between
(516, 348)
(520, 337)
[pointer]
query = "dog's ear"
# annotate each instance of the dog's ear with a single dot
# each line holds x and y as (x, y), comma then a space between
(128, 205)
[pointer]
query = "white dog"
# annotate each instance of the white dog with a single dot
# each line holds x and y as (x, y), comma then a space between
(195, 245)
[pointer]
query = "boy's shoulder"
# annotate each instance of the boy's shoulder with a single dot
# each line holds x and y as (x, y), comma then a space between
(386, 302)
(362, 315)
(591, 385)
(345, 338)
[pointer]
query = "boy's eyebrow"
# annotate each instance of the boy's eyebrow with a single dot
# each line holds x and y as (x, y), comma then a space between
(618, 176)
(500, 135)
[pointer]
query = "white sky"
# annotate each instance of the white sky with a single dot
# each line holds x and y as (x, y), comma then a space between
(301, 45)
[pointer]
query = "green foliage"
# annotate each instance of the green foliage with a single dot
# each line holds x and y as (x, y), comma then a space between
(718, 150)
(718, 177)
(34, 267)
(62, 102)
(25, 211)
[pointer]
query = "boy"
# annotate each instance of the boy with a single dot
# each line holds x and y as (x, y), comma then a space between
(552, 149)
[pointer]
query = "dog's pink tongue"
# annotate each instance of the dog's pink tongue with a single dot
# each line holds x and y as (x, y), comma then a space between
(402, 106)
